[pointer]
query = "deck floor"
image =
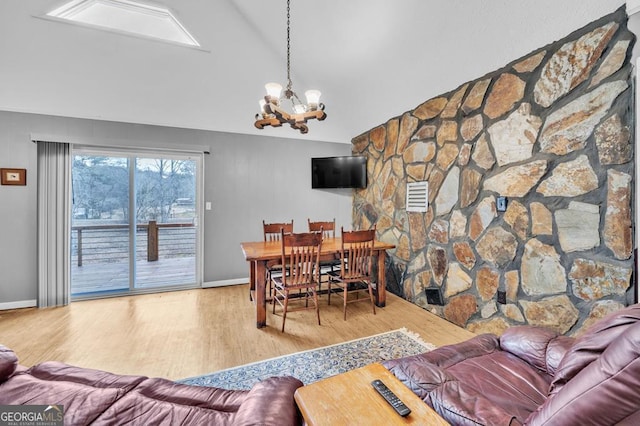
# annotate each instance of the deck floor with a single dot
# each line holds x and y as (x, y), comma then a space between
(110, 277)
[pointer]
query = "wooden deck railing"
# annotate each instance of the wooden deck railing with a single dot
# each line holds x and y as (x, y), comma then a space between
(111, 242)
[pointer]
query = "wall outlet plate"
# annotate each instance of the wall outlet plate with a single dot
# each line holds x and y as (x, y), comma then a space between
(501, 204)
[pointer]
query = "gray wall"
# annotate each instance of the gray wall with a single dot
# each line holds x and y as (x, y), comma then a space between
(246, 178)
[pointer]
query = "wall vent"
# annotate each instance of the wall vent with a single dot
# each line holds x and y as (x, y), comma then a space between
(417, 196)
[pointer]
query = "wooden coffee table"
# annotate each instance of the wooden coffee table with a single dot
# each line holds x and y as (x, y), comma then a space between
(349, 399)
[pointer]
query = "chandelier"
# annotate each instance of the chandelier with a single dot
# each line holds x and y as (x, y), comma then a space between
(272, 114)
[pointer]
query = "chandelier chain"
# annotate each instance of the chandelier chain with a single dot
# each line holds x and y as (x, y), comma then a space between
(289, 83)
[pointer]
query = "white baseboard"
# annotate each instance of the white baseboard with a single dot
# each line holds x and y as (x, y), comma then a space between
(223, 283)
(18, 304)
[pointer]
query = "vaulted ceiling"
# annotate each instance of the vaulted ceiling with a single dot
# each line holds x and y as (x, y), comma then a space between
(372, 59)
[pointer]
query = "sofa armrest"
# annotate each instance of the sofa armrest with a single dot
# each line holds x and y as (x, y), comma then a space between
(540, 347)
(270, 403)
(8, 363)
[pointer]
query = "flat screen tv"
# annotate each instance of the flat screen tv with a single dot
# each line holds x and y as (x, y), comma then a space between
(339, 172)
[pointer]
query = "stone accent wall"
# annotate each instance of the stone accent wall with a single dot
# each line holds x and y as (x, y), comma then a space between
(551, 132)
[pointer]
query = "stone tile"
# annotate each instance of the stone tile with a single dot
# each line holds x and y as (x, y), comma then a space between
(593, 280)
(449, 192)
(470, 187)
(476, 96)
(556, 313)
(393, 130)
(438, 262)
(460, 309)
(431, 108)
(419, 152)
(578, 226)
(482, 217)
(513, 138)
(497, 246)
(613, 141)
(447, 156)
(452, 107)
(612, 62)
(482, 155)
(618, 229)
(512, 284)
(447, 132)
(457, 225)
(439, 231)
(571, 65)
(542, 270)
(495, 326)
(506, 92)
(517, 217)
(471, 127)
(408, 125)
(516, 181)
(464, 254)
(531, 63)
(541, 219)
(512, 312)
(378, 136)
(570, 179)
(487, 281)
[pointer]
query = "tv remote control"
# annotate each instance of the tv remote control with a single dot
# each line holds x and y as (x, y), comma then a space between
(391, 398)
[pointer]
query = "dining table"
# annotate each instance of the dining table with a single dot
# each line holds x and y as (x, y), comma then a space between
(261, 253)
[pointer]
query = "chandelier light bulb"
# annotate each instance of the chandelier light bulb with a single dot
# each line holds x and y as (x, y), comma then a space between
(299, 109)
(273, 91)
(313, 99)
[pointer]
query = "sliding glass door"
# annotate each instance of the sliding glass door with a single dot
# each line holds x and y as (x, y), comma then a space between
(134, 222)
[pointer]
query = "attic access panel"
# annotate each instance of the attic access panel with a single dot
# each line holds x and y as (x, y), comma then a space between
(126, 16)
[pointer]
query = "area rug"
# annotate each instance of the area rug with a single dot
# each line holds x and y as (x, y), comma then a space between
(315, 364)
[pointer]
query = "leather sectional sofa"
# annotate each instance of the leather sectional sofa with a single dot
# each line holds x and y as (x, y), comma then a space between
(533, 376)
(92, 397)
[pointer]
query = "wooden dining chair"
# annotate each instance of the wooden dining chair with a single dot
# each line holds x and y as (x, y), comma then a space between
(356, 266)
(328, 229)
(273, 232)
(300, 272)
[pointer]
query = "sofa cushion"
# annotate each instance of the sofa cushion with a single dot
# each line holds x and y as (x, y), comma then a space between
(605, 392)
(162, 402)
(8, 363)
(83, 392)
(588, 347)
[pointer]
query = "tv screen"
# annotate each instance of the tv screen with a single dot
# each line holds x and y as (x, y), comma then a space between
(339, 172)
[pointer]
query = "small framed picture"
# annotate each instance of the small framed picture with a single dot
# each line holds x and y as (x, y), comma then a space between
(13, 176)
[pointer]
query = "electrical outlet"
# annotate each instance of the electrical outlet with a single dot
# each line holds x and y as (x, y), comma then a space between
(501, 204)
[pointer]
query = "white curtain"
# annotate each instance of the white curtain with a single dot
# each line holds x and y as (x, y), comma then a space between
(54, 183)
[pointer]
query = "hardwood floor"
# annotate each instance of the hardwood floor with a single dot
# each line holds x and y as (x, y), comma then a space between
(188, 333)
